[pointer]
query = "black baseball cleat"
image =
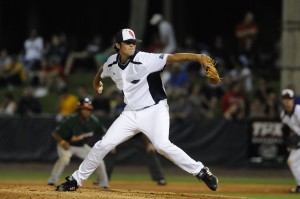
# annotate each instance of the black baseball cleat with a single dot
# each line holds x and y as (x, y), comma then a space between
(69, 185)
(295, 190)
(208, 178)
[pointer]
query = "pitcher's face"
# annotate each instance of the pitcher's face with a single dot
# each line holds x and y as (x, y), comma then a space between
(128, 47)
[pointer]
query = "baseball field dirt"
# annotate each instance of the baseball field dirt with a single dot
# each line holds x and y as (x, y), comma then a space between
(13, 186)
(129, 190)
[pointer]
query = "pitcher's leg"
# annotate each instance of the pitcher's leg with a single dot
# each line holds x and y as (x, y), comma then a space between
(122, 129)
(102, 179)
(157, 130)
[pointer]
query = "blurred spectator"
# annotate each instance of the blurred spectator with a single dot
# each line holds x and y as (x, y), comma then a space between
(67, 104)
(257, 109)
(242, 74)
(234, 102)
(178, 80)
(166, 33)
(265, 103)
(221, 53)
(182, 109)
(8, 105)
(155, 45)
(101, 56)
(272, 108)
(11, 70)
(246, 31)
(189, 45)
(206, 96)
(28, 105)
(57, 49)
(261, 91)
(87, 55)
(50, 78)
(34, 52)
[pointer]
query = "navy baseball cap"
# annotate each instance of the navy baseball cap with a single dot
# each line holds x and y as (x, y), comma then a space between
(287, 94)
(126, 34)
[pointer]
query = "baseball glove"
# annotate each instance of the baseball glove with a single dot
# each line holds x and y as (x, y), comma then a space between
(208, 65)
(291, 139)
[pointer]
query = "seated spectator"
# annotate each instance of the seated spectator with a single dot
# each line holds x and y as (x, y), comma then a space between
(28, 105)
(257, 109)
(182, 109)
(50, 77)
(12, 72)
(57, 49)
(8, 106)
(272, 103)
(92, 48)
(178, 81)
(67, 104)
(101, 56)
(206, 96)
(243, 74)
(234, 102)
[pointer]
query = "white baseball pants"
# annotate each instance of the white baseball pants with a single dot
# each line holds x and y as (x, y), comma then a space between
(154, 122)
(64, 157)
(294, 164)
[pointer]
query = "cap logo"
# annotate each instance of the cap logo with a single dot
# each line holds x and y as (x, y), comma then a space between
(131, 33)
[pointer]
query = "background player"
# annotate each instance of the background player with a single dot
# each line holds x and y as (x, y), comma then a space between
(137, 74)
(72, 136)
(290, 117)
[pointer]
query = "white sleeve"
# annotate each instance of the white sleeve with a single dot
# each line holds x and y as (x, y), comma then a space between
(154, 61)
(105, 72)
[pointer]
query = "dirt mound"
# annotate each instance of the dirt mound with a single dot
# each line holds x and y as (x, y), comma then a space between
(129, 190)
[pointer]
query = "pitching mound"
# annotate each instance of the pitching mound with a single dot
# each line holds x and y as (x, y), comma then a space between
(129, 190)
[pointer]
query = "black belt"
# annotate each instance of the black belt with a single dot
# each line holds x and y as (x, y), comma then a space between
(140, 109)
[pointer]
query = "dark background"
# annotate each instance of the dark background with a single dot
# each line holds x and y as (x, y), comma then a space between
(80, 20)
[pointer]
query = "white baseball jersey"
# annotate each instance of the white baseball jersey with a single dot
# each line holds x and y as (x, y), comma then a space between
(138, 79)
(293, 121)
(147, 111)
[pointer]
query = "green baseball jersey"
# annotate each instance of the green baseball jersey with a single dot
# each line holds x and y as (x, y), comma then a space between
(74, 125)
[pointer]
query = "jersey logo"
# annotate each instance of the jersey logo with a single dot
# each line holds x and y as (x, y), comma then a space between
(135, 81)
(161, 56)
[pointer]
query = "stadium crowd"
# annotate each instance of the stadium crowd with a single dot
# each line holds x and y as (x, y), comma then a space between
(44, 67)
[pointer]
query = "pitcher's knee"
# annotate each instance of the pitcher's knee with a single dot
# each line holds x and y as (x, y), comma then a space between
(163, 148)
(104, 146)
